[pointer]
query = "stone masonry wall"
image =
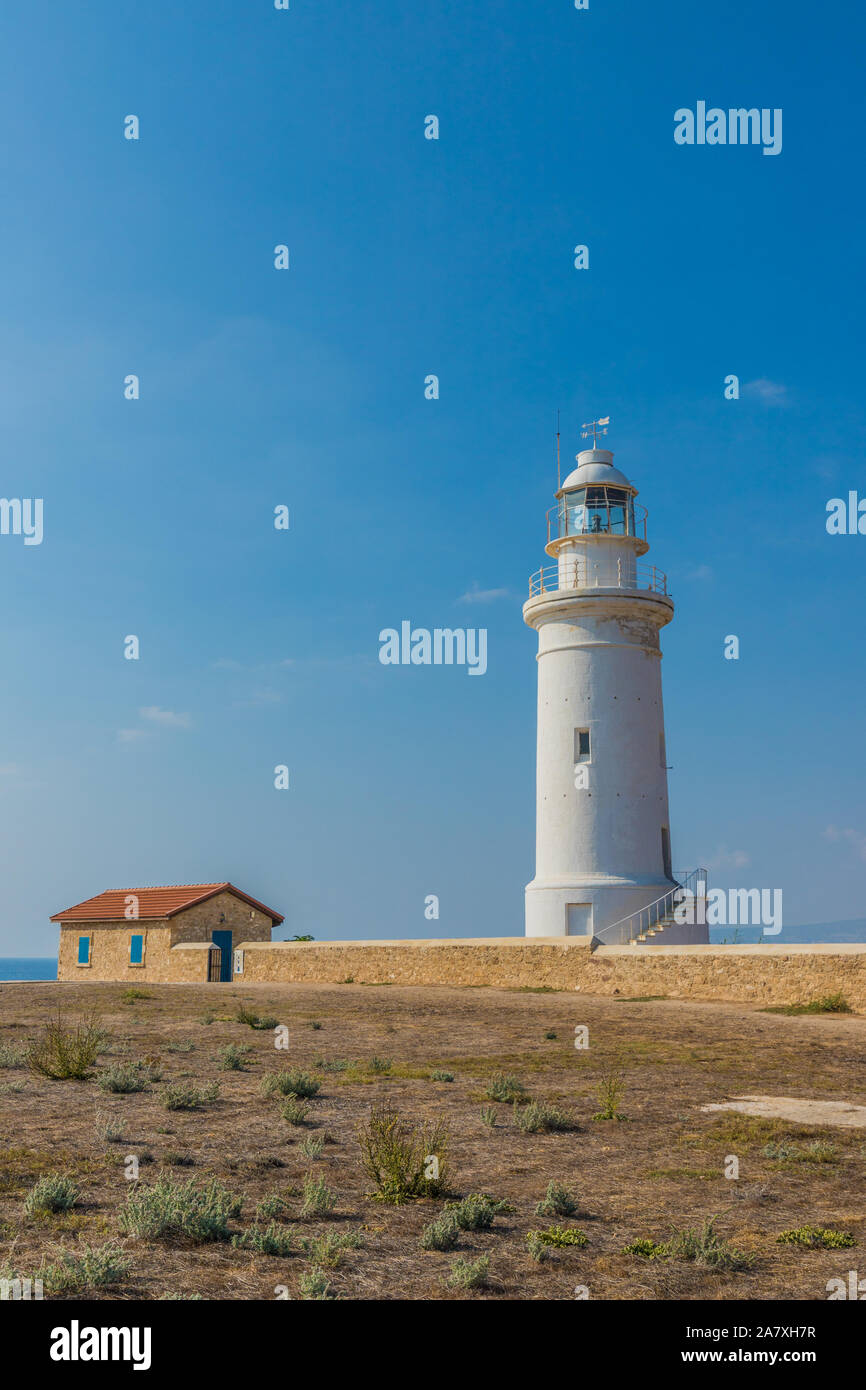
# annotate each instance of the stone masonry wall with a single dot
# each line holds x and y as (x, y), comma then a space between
(767, 974)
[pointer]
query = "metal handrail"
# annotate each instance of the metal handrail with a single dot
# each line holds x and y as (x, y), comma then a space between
(627, 928)
(574, 574)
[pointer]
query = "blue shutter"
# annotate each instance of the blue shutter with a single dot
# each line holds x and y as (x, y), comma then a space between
(84, 950)
(136, 950)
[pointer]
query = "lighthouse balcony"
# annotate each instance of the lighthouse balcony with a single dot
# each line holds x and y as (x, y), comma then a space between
(574, 574)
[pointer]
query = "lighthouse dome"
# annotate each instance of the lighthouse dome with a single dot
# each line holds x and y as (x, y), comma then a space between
(596, 466)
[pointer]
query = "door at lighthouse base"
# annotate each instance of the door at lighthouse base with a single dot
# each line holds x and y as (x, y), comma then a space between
(578, 919)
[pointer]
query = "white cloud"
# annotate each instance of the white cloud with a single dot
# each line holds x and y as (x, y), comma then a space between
(166, 718)
(725, 858)
(770, 392)
(476, 595)
(852, 837)
(131, 735)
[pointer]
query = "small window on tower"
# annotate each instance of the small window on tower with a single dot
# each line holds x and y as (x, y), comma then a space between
(581, 746)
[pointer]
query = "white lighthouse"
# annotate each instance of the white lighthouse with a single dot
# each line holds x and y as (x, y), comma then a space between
(603, 846)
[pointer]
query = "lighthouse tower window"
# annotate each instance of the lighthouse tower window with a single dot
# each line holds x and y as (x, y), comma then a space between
(581, 746)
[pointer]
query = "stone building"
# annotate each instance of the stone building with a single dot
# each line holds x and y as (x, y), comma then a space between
(186, 933)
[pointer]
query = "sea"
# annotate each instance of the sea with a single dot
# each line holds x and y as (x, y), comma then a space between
(28, 968)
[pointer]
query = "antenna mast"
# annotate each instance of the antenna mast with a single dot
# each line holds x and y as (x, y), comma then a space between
(558, 483)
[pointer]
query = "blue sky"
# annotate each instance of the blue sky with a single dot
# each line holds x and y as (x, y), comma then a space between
(306, 387)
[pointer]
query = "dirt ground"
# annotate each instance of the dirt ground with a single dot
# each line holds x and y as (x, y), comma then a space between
(660, 1169)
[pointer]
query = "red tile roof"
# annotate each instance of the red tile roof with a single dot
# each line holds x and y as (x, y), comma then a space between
(111, 905)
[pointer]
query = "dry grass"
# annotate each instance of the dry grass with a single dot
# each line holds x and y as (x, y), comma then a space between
(660, 1172)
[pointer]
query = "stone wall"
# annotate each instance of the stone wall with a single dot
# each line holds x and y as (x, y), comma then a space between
(767, 974)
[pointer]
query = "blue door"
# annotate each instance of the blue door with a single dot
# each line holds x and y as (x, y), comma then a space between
(223, 939)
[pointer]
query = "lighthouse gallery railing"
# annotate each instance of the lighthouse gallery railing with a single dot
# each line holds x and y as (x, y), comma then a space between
(573, 574)
(627, 929)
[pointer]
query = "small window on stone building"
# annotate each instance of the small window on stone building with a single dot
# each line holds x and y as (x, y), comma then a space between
(136, 950)
(84, 950)
(581, 746)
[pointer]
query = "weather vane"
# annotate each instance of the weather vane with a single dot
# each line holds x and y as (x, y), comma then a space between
(595, 428)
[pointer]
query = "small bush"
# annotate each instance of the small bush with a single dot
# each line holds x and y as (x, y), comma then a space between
(404, 1161)
(315, 1025)
(506, 1089)
(123, 1078)
(12, 1057)
(233, 1057)
(272, 1208)
(319, 1200)
(181, 1045)
(647, 1249)
(705, 1247)
(559, 1237)
(468, 1274)
(817, 1238)
(328, 1249)
(550, 1036)
(442, 1233)
(333, 1064)
(312, 1147)
(273, 1240)
(171, 1208)
(826, 1004)
(131, 996)
(610, 1091)
(181, 1095)
(290, 1083)
(314, 1284)
(50, 1194)
(540, 1118)
(440, 1075)
(66, 1053)
(379, 1066)
(477, 1211)
(488, 1116)
(93, 1267)
(295, 1111)
(109, 1128)
(557, 1201)
(178, 1160)
(536, 1248)
(817, 1151)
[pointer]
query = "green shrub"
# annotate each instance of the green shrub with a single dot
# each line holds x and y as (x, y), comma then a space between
(109, 1129)
(131, 996)
(172, 1208)
(50, 1194)
(315, 1025)
(333, 1064)
(817, 1237)
(540, 1118)
(295, 1111)
(233, 1057)
(182, 1095)
(379, 1065)
(271, 1208)
(557, 1201)
(826, 1004)
(125, 1077)
(442, 1233)
(477, 1211)
(648, 1249)
(705, 1247)
(536, 1248)
(66, 1053)
(328, 1249)
(273, 1240)
(506, 1089)
(468, 1274)
(559, 1237)
(319, 1200)
(12, 1057)
(290, 1083)
(488, 1116)
(312, 1146)
(610, 1091)
(181, 1045)
(93, 1267)
(314, 1284)
(440, 1075)
(403, 1160)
